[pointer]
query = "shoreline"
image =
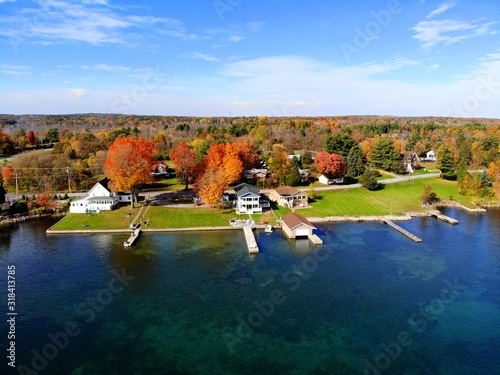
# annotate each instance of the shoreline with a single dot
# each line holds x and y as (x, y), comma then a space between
(329, 219)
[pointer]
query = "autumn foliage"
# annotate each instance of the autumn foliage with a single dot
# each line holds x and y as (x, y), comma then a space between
(128, 164)
(211, 185)
(330, 165)
(185, 164)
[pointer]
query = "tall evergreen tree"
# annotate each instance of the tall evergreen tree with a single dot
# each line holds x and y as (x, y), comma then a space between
(340, 143)
(354, 163)
(447, 163)
(384, 155)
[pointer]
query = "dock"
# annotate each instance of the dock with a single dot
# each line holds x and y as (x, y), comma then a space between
(445, 218)
(133, 238)
(315, 239)
(250, 238)
(403, 231)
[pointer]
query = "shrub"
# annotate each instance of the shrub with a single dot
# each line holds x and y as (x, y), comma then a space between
(428, 196)
(369, 181)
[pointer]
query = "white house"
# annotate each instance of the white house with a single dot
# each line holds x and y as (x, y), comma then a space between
(247, 199)
(430, 156)
(99, 198)
(328, 181)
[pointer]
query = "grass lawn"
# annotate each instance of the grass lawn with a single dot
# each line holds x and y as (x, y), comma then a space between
(396, 198)
(115, 219)
(167, 217)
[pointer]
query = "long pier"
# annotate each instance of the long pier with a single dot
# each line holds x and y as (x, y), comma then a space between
(403, 231)
(133, 238)
(250, 238)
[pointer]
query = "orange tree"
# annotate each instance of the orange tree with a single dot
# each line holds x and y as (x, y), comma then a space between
(329, 164)
(128, 164)
(185, 164)
(211, 185)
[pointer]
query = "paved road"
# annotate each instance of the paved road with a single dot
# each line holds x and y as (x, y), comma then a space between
(158, 194)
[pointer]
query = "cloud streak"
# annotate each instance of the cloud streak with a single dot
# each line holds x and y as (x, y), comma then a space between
(441, 9)
(94, 22)
(447, 32)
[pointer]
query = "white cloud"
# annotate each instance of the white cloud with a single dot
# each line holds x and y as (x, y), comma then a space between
(234, 38)
(106, 68)
(441, 9)
(93, 21)
(202, 56)
(447, 32)
(14, 70)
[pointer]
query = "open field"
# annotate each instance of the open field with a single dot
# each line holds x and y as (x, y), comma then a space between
(116, 219)
(393, 198)
(167, 217)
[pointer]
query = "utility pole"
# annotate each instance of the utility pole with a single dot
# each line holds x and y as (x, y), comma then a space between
(69, 180)
(17, 189)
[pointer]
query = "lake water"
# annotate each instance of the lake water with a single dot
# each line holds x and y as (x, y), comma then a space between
(369, 301)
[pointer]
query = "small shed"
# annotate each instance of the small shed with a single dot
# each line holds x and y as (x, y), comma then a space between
(296, 225)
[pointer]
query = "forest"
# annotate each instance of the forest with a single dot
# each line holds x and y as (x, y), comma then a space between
(212, 153)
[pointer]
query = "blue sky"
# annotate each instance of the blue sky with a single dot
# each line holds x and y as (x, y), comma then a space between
(242, 57)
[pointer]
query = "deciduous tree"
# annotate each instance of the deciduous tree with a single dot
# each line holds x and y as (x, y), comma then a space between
(128, 164)
(211, 185)
(330, 165)
(32, 138)
(185, 164)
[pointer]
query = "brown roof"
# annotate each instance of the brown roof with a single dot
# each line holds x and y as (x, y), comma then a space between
(293, 220)
(287, 190)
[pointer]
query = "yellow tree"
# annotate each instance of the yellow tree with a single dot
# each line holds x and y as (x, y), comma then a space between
(233, 166)
(211, 185)
(128, 164)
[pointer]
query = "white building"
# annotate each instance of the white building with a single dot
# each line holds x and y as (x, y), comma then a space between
(99, 198)
(247, 199)
(430, 156)
(329, 181)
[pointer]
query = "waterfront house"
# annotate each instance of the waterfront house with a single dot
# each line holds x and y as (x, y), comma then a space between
(99, 198)
(294, 225)
(247, 199)
(289, 197)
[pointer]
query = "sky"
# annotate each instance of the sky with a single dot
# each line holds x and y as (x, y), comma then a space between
(251, 58)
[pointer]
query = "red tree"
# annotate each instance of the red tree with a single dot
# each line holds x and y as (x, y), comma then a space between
(32, 138)
(128, 164)
(329, 164)
(185, 163)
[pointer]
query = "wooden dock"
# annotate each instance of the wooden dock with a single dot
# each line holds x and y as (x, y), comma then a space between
(315, 239)
(250, 238)
(133, 238)
(403, 231)
(445, 218)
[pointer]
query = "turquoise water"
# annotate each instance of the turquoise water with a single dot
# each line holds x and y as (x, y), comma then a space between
(368, 301)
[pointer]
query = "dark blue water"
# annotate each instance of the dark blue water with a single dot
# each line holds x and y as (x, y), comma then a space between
(368, 301)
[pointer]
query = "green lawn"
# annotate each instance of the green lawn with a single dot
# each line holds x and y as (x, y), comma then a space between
(167, 217)
(396, 198)
(115, 219)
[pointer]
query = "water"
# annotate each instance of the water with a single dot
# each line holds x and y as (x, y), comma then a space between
(197, 303)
